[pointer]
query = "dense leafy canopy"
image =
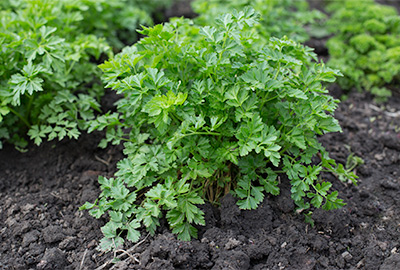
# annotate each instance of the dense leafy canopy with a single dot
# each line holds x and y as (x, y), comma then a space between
(49, 83)
(204, 112)
(366, 45)
(278, 17)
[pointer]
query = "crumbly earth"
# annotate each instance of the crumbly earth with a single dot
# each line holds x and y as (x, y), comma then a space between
(42, 228)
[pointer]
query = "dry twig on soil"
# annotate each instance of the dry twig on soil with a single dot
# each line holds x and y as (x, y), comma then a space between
(124, 252)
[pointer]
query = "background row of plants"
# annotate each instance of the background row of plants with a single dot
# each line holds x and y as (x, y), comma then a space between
(363, 36)
(49, 80)
(208, 106)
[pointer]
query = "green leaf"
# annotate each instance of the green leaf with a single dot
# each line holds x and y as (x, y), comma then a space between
(163, 196)
(23, 84)
(248, 135)
(87, 206)
(157, 78)
(196, 169)
(175, 217)
(107, 244)
(208, 32)
(296, 93)
(329, 125)
(258, 77)
(236, 96)
(36, 133)
(110, 229)
(116, 216)
(272, 153)
(316, 199)
(270, 183)
(332, 202)
(97, 213)
(119, 192)
(192, 213)
(133, 234)
(297, 137)
(250, 196)
(185, 231)
(253, 200)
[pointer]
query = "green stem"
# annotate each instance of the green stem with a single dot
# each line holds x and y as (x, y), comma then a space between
(223, 46)
(279, 67)
(203, 133)
(209, 75)
(30, 105)
(277, 72)
(290, 131)
(23, 119)
(70, 67)
(267, 100)
(175, 117)
(124, 139)
(222, 52)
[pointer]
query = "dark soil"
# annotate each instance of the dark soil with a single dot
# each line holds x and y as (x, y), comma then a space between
(42, 228)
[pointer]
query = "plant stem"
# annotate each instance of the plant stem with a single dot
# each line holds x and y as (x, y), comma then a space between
(203, 133)
(23, 119)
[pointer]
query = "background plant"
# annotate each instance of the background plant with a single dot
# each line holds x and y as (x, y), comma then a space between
(118, 20)
(114, 20)
(365, 46)
(49, 84)
(200, 119)
(278, 17)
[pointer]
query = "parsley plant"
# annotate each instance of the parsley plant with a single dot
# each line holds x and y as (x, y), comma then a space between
(278, 17)
(49, 83)
(366, 45)
(203, 114)
(117, 20)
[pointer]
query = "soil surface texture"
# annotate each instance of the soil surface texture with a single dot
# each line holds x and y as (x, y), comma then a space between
(42, 228)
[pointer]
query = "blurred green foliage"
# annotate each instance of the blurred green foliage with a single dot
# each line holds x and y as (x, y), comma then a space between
(365, 45)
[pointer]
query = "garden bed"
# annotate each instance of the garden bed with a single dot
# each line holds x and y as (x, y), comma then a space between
(42, 189)
(42, 228)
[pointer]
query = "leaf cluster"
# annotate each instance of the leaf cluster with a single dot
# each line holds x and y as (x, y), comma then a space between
(278, 17)
(117, 20)
(49, 81)
(114, 20)
(204, 113)
(48, 84)
(365, 45)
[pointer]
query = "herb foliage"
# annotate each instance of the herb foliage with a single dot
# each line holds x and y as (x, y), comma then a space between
(114, 20)
(45, 72)
(49, 82)
(278, 17)
(117, 20)
(203, 114)
(366, 45)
